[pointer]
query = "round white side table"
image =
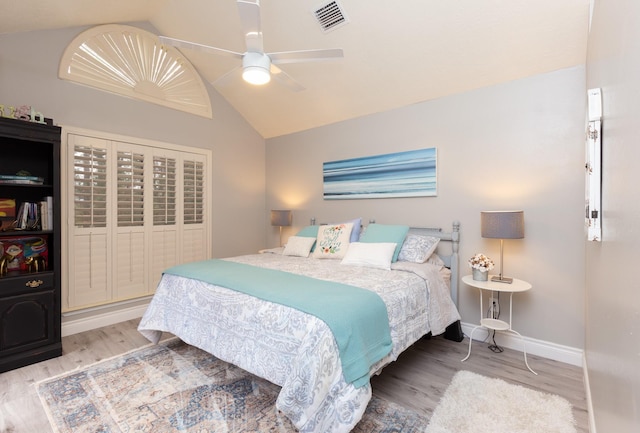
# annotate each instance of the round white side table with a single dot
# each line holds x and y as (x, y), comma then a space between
(495, 324)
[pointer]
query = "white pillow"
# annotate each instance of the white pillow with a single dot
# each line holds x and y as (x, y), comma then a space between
(418, 248)
(299, 246)
(332, 241)
(370, 255)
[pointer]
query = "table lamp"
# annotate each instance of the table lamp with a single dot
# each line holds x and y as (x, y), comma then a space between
(281, 218)
(502, 225)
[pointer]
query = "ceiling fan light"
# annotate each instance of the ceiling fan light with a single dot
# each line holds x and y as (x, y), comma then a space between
(256, 75)
(256, 68)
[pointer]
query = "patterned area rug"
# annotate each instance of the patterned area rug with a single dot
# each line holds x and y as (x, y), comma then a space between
(174, 387)
(473, 403)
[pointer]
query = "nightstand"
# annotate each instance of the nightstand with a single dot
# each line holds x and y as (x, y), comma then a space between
(496, 324)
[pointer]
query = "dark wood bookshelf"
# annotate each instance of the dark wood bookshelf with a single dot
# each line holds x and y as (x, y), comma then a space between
(30, 304)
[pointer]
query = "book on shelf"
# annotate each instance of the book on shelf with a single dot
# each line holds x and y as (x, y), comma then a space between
(46, 213)
(35, 215)
(14, 179)
(49, 201)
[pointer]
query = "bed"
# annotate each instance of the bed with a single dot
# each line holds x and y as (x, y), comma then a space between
(298, 348)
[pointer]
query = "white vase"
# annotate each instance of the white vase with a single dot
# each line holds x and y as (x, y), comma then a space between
(479, 275)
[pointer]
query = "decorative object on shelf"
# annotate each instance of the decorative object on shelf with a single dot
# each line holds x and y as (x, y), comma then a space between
(36, 264)
(25, 254)
(23, 112)
(502, 225)
(479, 275)
(7, 208)
(281, 218)
(480, 266)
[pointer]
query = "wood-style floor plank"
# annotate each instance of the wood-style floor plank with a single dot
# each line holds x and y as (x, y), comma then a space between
(420, 376)
(416, 380)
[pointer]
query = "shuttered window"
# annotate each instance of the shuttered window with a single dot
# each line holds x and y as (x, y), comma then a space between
(193, 192)
(90, 186)
(133, 209)
(164, 191)
(130, 181)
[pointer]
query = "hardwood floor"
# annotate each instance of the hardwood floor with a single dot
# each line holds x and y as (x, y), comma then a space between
(416, 380)
(420, 376)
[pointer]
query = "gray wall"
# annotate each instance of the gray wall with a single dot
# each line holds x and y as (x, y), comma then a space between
(517, 145)
(29, 76)
(613, 295)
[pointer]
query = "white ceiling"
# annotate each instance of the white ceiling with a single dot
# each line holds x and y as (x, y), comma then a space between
(396, 53)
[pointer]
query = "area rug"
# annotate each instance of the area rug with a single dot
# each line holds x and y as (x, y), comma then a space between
(174, 387)
(476, 404)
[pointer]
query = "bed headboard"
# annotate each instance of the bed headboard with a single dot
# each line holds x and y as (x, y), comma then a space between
(449, 256)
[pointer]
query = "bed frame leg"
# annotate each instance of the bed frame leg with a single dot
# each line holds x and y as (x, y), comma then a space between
(454, 332)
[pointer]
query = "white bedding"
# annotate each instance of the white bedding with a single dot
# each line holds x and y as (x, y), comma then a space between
(293, 349)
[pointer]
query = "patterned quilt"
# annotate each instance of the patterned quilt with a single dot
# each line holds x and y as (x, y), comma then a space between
(293, 349)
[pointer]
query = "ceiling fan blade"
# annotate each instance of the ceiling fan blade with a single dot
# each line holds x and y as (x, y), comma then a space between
(226, 78)
(306, 56)
(251, 27)
(284, 78)
(199, 47)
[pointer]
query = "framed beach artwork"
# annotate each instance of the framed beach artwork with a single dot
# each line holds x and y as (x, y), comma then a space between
(401, 174)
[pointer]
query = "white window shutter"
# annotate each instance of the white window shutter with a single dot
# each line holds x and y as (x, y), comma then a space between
(194, 241)
(164, 190)
(89, 252)
(90, 186)
(90, 278)
(130, 179)
(137, 210)
(193, 192)
(130, 269)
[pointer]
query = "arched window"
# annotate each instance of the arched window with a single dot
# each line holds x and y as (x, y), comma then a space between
(132, 62)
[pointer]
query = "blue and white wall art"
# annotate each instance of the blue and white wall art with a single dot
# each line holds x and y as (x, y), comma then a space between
(401, 174)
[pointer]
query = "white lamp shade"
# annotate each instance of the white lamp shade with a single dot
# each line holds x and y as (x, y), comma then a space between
(502, 224)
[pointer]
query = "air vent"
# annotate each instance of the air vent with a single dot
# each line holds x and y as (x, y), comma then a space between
(330, 16)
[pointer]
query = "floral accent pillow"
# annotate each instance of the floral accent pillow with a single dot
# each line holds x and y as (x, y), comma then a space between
(418, 248)
(332, 241)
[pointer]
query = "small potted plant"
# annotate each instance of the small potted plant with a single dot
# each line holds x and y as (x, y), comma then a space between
(480, 266)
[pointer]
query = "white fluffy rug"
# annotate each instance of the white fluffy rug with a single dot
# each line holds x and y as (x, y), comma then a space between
(476, 404)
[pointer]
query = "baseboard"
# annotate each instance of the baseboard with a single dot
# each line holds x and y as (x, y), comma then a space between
(97, 320)
(546, 349)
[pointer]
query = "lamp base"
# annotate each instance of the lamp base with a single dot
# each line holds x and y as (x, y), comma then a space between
(501, 279)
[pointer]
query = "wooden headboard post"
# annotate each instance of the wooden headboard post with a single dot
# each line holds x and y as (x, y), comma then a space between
(455, 261)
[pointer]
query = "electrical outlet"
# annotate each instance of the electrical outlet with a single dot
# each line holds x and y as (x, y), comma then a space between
(496, 309)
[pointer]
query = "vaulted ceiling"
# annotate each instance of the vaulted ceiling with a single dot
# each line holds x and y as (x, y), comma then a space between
(396, 53)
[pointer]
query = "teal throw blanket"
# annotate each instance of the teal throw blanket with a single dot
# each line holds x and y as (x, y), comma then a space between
(357, 317)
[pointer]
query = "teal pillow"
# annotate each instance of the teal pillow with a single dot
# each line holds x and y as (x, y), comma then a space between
(309, 232)
(386, 233)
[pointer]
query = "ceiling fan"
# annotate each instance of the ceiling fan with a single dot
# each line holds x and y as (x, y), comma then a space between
(258, 66)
